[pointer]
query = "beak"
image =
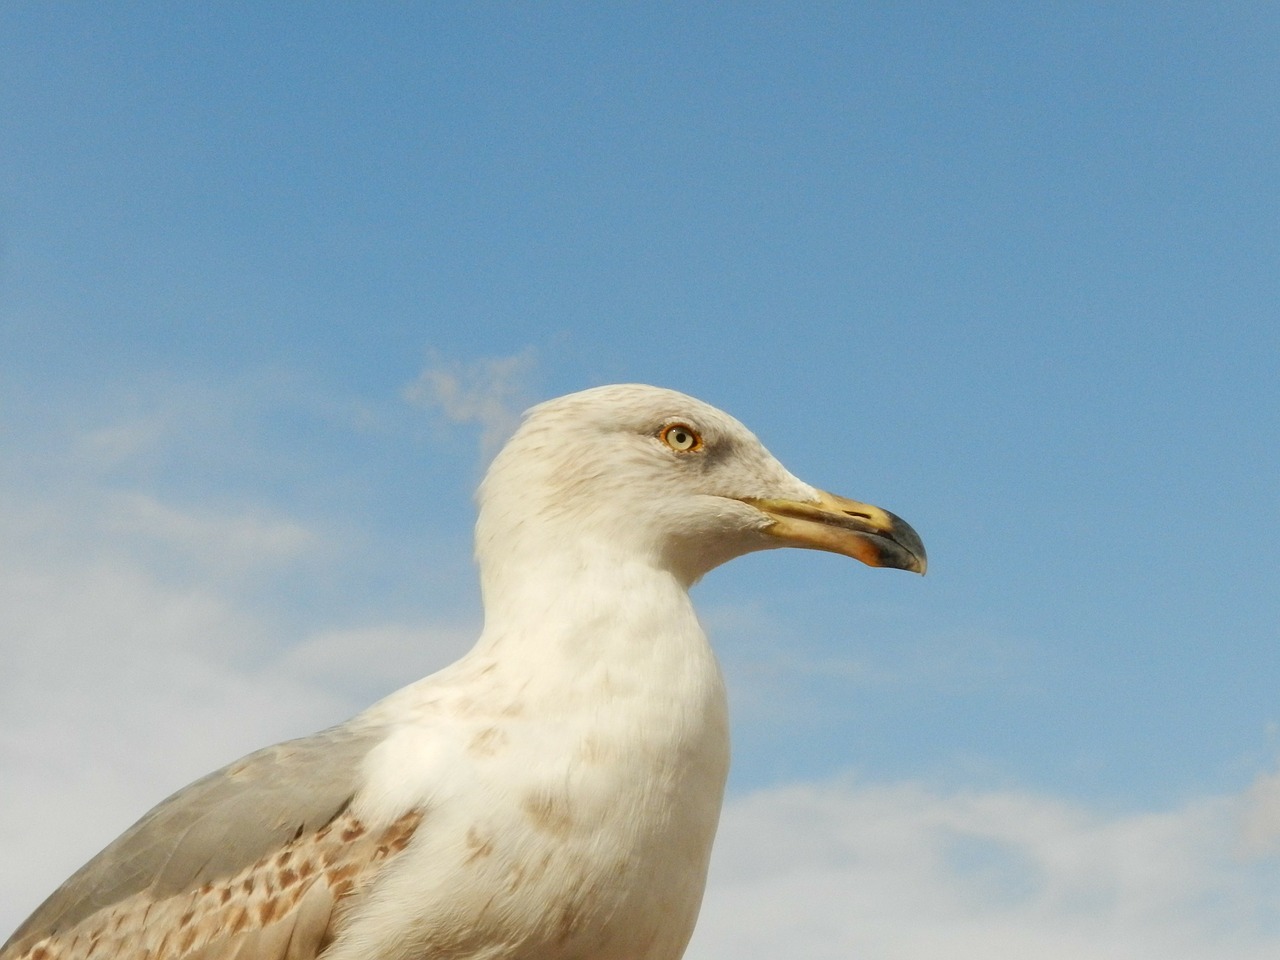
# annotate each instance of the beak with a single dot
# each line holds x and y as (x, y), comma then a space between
(853, 529)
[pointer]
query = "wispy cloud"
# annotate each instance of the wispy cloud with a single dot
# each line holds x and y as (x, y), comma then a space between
(119, 683)
(241, 539)
(378, 657)
(1260, 831)
(145, 641)
(902, 871)
(115, 689)
(490, 392)
(122, 441)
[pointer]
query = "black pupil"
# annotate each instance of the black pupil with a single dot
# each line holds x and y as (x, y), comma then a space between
(681, 437)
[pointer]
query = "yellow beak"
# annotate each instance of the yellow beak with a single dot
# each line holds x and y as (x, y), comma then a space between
(837, 525)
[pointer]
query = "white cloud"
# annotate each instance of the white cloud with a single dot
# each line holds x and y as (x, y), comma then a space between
(127, 671)
(242, 540)
(116, 689)
(123, 441)
(383, 656)
(491, 392)
(1260, 834)
(903, 872)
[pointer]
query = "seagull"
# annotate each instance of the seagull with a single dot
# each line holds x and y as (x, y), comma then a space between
(554, 794)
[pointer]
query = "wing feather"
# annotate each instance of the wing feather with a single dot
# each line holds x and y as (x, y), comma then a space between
(250, 861)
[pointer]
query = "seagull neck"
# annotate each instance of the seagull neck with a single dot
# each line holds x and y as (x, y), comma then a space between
(592, 598)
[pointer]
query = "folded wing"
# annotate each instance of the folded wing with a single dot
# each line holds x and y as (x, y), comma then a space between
(258, 860)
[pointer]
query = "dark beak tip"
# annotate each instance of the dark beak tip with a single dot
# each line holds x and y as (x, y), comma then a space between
(905, 539)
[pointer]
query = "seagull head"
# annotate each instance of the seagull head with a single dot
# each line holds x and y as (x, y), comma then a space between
(663, 476)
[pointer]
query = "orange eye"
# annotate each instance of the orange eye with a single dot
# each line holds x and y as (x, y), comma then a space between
(680, 437)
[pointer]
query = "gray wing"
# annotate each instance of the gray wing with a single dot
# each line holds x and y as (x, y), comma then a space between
(253, 837)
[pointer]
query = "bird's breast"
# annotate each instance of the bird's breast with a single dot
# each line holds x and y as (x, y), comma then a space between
(579, 824)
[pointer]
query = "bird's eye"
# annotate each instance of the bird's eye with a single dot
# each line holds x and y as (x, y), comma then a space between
(680, 437)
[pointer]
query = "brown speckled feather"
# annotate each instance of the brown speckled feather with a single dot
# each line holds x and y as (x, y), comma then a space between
(260, 860)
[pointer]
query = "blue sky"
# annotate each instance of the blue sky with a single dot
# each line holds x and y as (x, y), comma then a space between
(1009, 270)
